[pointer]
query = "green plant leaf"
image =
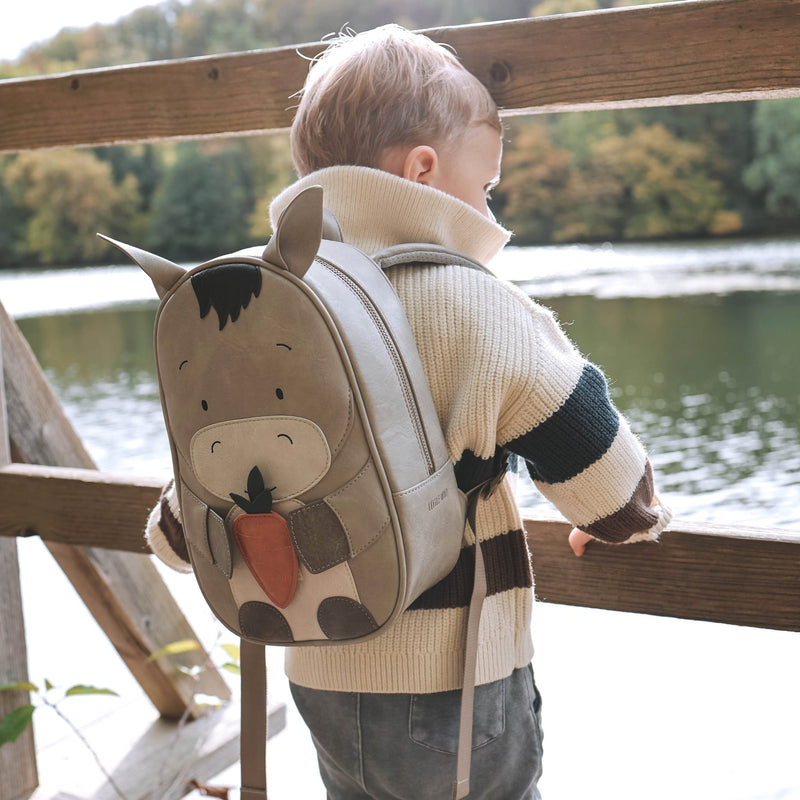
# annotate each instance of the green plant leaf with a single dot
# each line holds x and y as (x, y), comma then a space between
(82, 689)
(47, 685)
(231, 667)
(21, 686)
(233, 651)
(182, 646)
(14, 723)
(200, 699)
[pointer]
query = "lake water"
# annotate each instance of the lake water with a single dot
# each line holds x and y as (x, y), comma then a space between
(700, 344)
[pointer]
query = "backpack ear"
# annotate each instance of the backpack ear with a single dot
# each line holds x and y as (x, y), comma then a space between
(298, 233)
(163, 273)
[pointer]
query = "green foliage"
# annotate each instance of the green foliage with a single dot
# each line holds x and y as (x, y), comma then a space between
(547, 7)
(172, 29)
(775, 171)
(13, 724)
(232, 664)
(14, 219)
(203, 205)
(608, 184)
(649, 184)
(234, 655)
(68, 195)
(83, 689)
(173, 648)
(539, 184)
(140, 161)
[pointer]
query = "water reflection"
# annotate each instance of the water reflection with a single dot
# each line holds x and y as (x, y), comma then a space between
(102, 368)
(711, 386)
(709, 383)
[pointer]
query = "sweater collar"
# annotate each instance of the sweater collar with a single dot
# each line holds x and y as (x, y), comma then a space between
(376, 209)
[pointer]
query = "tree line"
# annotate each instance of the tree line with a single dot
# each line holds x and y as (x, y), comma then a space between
(661, 173)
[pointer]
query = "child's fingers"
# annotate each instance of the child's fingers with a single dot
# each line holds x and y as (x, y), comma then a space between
(578, 541)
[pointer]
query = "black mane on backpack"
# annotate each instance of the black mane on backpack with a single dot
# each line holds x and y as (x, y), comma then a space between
(228, 288)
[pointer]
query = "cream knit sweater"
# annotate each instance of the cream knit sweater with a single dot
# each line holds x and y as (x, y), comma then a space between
(504, 378)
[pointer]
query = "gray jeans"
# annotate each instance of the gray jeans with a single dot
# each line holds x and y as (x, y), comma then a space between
(402, 747)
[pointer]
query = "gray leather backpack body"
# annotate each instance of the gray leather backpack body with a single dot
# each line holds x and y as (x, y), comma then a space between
(317, 496)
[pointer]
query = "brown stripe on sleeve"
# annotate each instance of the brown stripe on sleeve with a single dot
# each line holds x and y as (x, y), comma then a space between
(635, 516)
(172, 530)
(508, 566)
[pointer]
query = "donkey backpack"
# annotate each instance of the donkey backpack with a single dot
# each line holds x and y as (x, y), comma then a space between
(317, 496)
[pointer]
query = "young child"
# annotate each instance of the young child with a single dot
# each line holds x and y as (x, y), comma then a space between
(406, 144)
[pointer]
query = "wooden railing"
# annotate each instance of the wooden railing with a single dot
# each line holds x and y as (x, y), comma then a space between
(677, 53)
(680, 53)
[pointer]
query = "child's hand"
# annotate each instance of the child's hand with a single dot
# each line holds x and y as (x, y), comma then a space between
(578, 541)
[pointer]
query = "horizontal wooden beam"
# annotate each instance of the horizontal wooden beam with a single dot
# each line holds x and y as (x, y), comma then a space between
(736, 575)
(677, 53)
(81, 507)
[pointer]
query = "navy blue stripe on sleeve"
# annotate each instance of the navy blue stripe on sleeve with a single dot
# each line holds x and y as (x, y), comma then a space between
(472, 471)
(575, 436)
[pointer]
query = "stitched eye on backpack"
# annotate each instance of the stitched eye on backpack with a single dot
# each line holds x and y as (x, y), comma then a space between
(205, 405)
(279, 394)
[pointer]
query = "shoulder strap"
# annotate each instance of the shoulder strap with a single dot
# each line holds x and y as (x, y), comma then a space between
(464, 752)
(426, 253)
(422, 253)
(253, 734)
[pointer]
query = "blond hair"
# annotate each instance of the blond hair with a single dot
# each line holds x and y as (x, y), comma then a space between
(380, 89)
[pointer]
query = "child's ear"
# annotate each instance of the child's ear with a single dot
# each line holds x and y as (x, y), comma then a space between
(421, 164)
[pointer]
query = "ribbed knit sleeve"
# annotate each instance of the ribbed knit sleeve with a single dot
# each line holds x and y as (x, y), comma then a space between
(506, 378)
(164, 531)
(580, 451)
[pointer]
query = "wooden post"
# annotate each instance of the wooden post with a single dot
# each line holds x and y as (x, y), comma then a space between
(17, 760)
(123, 591)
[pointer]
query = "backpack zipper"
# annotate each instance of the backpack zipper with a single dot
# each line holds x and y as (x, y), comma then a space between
(399, 366)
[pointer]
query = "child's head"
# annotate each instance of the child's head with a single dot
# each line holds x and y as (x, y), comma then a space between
(372, 98)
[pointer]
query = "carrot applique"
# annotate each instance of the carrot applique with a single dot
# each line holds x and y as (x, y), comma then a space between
(264, 542)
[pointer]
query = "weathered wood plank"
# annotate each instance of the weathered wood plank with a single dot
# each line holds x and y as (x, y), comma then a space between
(756, 580)
(238, 93)
(677, 53)
(17, 759)
(148, 758)
(80, 507)
(736, 575)
(699, 51)
(123, 591)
